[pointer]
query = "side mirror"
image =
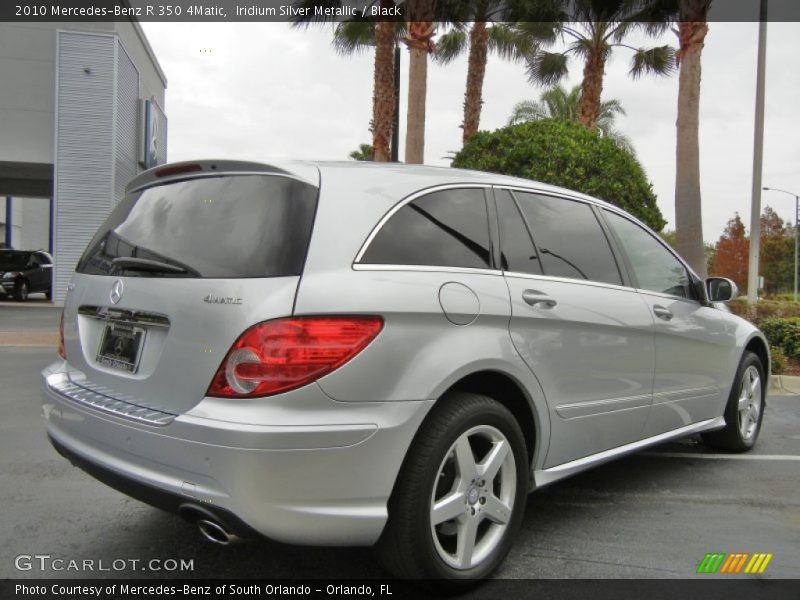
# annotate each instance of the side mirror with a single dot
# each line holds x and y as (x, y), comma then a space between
(720, 289)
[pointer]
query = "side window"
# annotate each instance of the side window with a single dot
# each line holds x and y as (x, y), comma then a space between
(655, 268)
(517, 252)
(449, 228)
(569, 237)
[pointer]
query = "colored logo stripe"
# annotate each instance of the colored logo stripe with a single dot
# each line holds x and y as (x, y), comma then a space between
(720, 562)
(758, 563)
(711, 562)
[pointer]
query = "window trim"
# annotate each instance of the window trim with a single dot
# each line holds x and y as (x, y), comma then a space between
(357, 265)
(629, 265)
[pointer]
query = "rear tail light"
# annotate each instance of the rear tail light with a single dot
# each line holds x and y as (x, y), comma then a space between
(281, 355)
(62, 351)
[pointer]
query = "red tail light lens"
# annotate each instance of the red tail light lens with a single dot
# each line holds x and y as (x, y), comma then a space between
(281, 355)
(62, 351)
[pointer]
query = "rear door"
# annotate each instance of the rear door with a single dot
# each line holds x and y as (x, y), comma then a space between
(584, 333)
(693, 341)
(176, 273)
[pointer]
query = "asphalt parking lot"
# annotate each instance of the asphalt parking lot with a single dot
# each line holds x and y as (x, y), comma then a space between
(652, 515)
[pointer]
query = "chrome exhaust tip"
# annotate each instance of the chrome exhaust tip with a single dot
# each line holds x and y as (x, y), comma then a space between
(216, 533)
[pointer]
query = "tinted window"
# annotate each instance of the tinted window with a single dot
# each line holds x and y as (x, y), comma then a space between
(517, 252)
(14, 259)
(569, 238)
(448, 228)
(655, 267)
(215, 227)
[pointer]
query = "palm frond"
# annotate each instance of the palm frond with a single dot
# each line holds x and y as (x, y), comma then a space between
(350, 37)
(510, 44)
(528, 110)
(449, 45)
(547, 68)
(658, 61)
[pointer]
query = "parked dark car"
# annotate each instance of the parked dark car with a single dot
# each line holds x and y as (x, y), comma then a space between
(25, 272)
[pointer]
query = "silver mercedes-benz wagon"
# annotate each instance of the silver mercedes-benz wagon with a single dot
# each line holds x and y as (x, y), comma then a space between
(378, 354)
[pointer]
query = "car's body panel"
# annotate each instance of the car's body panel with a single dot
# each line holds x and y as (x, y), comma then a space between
(593, 353)
(194, 343)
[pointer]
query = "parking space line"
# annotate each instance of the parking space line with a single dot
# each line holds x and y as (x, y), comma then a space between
(723, 456)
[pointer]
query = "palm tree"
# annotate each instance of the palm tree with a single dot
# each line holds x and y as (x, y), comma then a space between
(596, 29)
(355, 36)
(558, 103)
(419, 41)
(692, 30)
(365, 152)
(481, 37)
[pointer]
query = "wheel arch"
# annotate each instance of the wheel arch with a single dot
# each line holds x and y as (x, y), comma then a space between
(506, 390)
(758, 345)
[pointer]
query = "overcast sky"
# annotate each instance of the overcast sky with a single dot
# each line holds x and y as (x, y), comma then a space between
(262, 90)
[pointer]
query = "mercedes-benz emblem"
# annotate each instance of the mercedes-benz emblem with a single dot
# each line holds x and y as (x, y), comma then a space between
(116, 291)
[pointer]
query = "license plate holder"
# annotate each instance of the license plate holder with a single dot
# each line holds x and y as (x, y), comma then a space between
(121, 347)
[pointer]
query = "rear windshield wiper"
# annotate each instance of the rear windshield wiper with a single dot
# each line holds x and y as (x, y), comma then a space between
(133, 263)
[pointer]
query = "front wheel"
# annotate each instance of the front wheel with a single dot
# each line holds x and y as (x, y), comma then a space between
(22, 291)
(459, 498)
(745, 409)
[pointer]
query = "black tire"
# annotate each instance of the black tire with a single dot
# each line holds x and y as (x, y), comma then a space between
(407, 548)
(22, 291)
(731, 437)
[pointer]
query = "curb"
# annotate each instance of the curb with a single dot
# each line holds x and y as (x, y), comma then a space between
(787, 384)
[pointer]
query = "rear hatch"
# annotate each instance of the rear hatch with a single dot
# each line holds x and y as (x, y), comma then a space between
(176, 273)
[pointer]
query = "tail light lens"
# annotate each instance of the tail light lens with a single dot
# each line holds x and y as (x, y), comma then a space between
(62, 351)
(281, 355)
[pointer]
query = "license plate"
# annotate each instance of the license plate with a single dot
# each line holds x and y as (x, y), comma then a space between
(121, 347)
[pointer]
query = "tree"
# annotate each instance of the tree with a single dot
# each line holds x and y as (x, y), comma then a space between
(365, 152)
(354, 36)
(776, 262)
(557, 103)
(692, 30)
(419, 41)
(596, 29)
(731, 257)
(489, 31)
(567, 154)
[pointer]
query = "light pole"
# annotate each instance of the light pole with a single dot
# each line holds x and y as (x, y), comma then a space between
(796, 216)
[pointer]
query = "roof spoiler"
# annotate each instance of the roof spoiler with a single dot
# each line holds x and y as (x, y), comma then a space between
(207, 168)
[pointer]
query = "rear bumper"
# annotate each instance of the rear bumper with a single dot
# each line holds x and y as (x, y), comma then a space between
(323, 482)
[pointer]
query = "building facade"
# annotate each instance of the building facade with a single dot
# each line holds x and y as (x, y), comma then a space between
(81, 113)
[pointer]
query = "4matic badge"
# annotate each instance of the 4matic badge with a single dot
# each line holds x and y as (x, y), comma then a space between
(214, 299)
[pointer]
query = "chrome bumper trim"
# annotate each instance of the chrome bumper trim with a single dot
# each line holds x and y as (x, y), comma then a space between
(86, 397)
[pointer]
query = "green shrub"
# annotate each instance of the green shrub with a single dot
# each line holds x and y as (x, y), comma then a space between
(784, 333)
(569, 155)
(764, 309)
(779, 360)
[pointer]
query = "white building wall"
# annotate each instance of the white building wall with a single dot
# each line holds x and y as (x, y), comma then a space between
(84, 162)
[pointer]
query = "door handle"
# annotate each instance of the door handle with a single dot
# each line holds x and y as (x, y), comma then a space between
(662, 313)
(537, 298)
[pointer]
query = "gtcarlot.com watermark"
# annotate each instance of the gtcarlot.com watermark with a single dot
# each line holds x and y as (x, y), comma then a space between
(47, 562)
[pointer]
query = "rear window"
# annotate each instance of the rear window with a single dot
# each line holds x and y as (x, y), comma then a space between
(14, 258)
(212, 227)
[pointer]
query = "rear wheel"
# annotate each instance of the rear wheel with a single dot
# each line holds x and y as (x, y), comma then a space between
(459, 498)
(22, 291)
(745, 409)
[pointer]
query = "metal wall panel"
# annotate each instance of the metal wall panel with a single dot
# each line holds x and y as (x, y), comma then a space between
(85, 156)
(125, 159)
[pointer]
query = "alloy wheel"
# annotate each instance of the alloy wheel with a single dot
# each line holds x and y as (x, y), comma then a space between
(472, 500)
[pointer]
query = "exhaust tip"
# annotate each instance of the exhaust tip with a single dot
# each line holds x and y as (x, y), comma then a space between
(215, 533)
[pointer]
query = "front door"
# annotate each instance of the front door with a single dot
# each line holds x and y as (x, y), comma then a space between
(693, 341)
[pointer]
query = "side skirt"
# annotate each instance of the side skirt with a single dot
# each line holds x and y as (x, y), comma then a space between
(544, 477)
